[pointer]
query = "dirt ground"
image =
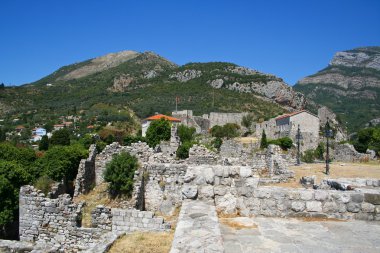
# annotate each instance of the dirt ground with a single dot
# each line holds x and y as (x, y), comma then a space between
(337, 170)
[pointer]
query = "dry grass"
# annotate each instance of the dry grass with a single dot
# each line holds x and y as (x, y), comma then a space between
(98, 196)
(247, 140)
(172, 219)
(337, 170)
(147, 242)
(317, 219)
(237, 224)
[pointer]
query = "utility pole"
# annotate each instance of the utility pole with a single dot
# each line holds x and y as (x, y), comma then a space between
(299, 138)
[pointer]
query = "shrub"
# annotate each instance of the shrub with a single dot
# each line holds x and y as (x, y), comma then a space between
(229, 130)
(308, 156)
(285, 143)
(217, 143)
(119, 173)
(44, 183)
(128, 140)
(185, 133)
(158, 130)
(183, 150)
(247, 120)
(319, 151)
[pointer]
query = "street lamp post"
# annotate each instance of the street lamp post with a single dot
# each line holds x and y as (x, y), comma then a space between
(328, 134)
(299, 138)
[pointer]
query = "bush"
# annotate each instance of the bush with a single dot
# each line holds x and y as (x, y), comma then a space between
(247, 120)
(308, 156)
(185, 133)
(44, 183)
(320, 151)
(119, 173)
(229, 130)
(24, 156)
(158, 130)
(128, 140)
(217, 143)
(183, 150)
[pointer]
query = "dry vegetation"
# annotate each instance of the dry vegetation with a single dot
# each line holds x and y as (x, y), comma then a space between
(98, 196)
(238, 224)
(337, 170)
(147, 242)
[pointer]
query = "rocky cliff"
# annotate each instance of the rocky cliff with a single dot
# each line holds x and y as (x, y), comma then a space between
(350, 86)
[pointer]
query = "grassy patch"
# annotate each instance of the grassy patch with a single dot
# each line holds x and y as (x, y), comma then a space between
(147, 242)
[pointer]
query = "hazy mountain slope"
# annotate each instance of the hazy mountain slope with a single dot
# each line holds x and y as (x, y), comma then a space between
(350, 86)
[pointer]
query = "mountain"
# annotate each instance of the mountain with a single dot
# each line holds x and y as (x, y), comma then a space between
(349, 85)
(146, 83)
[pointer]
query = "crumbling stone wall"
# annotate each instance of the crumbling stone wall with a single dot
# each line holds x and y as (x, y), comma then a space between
(347, 153)
(54, 223)
(86, 173)
(220, 118)
(163, 186)
(235, 149)
(201, 155)
(139, 149)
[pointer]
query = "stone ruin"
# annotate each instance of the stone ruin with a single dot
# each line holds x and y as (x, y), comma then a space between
(232, 185)
(347, 153)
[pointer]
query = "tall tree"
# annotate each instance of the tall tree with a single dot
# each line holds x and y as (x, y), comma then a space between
(264, 141)
(158, 130)
(61, 137)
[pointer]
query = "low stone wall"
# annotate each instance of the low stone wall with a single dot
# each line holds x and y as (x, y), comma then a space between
(235, 149)
(86, 173)
(356, 182)
(135, 220)
(287, 202)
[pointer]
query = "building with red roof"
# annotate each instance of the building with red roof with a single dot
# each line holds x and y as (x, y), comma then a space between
(147, 121)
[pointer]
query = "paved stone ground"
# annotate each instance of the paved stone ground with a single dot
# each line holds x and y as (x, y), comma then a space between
(198, 229)
(293, 235)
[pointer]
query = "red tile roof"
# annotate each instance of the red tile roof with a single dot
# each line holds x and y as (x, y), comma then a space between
(289, 115)
(160, 116)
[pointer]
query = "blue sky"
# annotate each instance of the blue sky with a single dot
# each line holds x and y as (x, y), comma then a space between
(291, 39)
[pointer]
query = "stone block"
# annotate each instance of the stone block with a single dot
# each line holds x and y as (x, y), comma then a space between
(245, 172)
(353, 207)
(206, 192)
(220, 190)
(225, 181)
(298, 206)
(330, 207)
(283, 205)
(189, 191)
(148, 214)
(358, 198)
(342, 197)
(313, 206)
(252, 182)
(321, 195)
(372, 198)
(262, 193)
(293, 195)
(368, 208)
(306, 195)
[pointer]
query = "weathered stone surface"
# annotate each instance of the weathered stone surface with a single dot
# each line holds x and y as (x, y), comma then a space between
(372, 198)
(353, 207)
(313, 206)
(198, 229)
(226, 204)
(189, 191)
(298, 206)
(368, 208)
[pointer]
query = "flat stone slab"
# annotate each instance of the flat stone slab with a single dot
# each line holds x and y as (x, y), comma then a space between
(295, 235)
(197, 229)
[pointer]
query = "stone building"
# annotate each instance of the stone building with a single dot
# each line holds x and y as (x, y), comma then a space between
(287, 125)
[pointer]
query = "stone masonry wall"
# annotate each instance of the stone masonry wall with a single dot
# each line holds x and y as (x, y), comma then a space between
(86, 173)
(53, 222)
(347, 153)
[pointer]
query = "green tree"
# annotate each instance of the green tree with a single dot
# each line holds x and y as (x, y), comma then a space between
(12, 177)
(217, 143)
(61, 137)
(185, 133)
(44, 143)
(158, 130)
(60, 162)
(229, 130)
(23, 156)
(119, 173)
(308, 156)
(263, 142)
(2, 134)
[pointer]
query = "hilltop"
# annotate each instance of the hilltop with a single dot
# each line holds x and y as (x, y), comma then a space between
(146, 83)
(349, 85)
